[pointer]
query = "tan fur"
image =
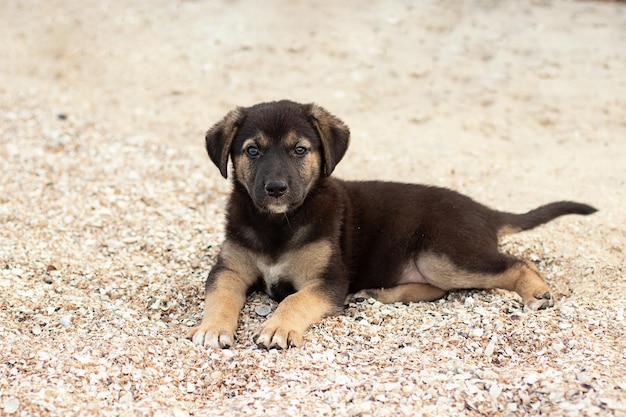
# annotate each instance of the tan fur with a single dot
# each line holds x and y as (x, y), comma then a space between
(226, 298)
(442, 276)
(262, 140)
(306, 263)
(221, 310)
(241, 261)
(302, 265)
(508, 230)
(405, 293)
(311, 168)
(243, 168)
(292, 139)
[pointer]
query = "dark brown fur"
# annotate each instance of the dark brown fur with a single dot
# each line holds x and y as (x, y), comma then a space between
(308, 240)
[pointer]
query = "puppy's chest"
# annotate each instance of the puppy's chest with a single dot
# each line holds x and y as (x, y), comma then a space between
(293, 269)
(277, 278)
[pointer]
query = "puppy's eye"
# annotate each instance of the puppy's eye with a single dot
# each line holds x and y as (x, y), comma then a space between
(300, 150)
(252, 151)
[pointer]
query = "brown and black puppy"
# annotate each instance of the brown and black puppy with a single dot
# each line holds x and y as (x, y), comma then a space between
(308, 240)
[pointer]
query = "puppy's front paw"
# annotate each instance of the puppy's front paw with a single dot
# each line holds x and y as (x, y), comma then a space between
(211, 336)
(278, 334)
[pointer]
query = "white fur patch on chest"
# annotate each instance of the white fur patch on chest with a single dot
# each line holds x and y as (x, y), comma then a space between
(273, 272)
(298, 267)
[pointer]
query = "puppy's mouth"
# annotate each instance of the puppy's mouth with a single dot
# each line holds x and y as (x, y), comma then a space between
(273, 205)
(277, 205)
(277, 208)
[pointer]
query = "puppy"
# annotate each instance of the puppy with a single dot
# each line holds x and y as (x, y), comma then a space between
(308, 240)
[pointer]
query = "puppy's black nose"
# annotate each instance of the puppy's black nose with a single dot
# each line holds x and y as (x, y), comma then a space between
(276, 188)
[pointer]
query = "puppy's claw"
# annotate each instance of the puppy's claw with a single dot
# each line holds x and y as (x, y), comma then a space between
(222, 340)
(197, 338)
(541, 302)
(225, 341)
(361, 296)
(263, 340)
(269, 338)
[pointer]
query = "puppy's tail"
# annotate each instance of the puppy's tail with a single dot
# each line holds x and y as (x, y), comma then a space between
(513, 223)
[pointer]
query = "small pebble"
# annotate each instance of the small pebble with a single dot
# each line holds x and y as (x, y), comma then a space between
(177, 412)
(489, 349)
(361, 408)
(477, 332)
(585, 378)
(567, 311)
(262, 310)
(531, 378)
(65, 321)
(127, 398)
(342, 358)
(495, 391)
(11, 405)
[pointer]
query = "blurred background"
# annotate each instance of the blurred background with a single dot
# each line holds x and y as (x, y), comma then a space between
(519, 92)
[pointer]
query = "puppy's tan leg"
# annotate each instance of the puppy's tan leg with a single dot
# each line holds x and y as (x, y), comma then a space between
(525, 279)
(294, 315)
(405, 293)
(520, 276)
(223, 301)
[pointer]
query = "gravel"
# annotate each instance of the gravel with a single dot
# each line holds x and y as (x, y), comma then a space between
(109, 221)
(106, 243)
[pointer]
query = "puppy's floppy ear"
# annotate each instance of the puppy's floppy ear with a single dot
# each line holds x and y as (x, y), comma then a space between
(335, 136)
(220, 137)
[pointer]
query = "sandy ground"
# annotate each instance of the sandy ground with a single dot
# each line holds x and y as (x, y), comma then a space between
(111, 213)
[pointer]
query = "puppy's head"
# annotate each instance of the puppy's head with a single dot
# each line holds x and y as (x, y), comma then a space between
(279, 150)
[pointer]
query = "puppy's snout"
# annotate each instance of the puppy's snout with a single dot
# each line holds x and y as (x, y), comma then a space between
(276, 188)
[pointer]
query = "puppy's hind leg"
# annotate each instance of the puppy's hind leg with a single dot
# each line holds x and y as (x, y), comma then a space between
(524, 278)
(489, 271)
(403, 293)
